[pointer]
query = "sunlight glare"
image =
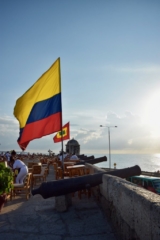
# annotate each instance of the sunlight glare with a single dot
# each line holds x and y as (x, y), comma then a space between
(151, 116)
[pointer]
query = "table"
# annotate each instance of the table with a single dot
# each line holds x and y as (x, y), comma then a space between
(67, 164)
(76, 170)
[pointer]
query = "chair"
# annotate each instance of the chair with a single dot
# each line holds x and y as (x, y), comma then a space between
(85, 191)
(59, 163)
(59, 173)
(23, 188)
(67, 164)
(36, 169)
(38, 173)
(76, 170)
(47, 168)
(45, 163)
(30, 164)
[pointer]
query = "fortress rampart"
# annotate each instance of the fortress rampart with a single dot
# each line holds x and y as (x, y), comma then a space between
(134, 211)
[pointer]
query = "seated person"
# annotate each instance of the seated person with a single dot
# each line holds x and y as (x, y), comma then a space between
(74, 157)
(62, 156)
(67, 157)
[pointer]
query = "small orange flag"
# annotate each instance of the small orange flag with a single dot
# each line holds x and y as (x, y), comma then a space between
(62, 135)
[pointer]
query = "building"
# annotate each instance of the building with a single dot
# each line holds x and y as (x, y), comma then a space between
(73, 147)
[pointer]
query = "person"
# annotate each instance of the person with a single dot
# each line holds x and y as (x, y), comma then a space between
(18, 164)
(8, 155)
(67, 156)
(64, 155)
(74, 157)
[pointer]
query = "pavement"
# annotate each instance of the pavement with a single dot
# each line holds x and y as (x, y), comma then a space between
(38, 219)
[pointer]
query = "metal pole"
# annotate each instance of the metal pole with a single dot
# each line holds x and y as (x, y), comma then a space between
(109, 144)
(109, 148)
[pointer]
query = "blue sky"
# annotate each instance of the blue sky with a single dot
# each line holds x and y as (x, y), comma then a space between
(110, 70)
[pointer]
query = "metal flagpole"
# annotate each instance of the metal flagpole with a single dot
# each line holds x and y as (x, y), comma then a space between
(61, 118)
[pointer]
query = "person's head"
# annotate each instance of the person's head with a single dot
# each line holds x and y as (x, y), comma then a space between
(13, 153)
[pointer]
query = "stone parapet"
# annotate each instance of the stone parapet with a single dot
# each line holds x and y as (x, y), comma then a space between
(134, 211)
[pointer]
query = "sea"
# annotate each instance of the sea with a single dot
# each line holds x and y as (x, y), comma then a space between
(147, 162)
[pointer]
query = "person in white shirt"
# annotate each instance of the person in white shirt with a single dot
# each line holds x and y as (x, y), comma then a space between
(18, 164)
(74, 157)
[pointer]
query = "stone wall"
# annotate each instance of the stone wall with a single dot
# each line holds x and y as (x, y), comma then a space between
(134, 211)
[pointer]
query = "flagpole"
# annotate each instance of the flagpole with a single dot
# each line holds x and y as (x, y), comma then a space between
(61, 118)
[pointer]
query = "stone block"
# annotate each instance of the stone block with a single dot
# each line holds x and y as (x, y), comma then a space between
(63, 202)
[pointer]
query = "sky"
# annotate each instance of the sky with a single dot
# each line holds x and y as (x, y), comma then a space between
(110, 70)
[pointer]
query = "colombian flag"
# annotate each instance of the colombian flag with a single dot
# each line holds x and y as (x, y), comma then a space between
(62, 135)
(39, 109)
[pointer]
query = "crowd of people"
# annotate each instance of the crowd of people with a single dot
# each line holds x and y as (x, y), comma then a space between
(67, 156)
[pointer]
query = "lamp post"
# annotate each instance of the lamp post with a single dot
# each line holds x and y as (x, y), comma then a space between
(109, 143)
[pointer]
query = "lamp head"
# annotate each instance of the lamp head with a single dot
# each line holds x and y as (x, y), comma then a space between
(108, 126)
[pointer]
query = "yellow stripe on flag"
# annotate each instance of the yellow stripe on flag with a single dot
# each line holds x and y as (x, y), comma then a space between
(47, 86)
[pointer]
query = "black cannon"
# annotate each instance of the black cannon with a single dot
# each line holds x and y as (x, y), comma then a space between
(65, 186)
(96, 160)
(87, 157)
(92, 160)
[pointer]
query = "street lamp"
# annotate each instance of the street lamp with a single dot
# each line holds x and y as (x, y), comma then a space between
(109, 143)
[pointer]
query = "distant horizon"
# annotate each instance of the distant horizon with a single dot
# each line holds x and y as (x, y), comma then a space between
(85, 153)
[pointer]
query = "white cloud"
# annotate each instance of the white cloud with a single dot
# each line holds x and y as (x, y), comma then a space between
(130, 136)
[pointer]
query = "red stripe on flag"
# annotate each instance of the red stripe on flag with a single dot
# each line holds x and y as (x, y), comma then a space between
(40, 128)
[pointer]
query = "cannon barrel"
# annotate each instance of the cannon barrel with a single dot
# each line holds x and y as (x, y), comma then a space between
(65, 186)
(96, 160)
(84, 157)
(92, 161)
(87, 158)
